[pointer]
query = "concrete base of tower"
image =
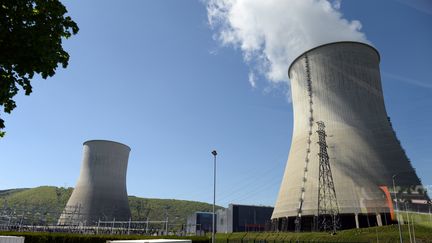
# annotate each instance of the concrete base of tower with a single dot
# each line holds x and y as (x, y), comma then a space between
(346, 221)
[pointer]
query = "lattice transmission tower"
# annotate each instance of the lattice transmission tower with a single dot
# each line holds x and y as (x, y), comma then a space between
(328, 210)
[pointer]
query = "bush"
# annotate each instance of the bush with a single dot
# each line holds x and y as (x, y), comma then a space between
(43, 237)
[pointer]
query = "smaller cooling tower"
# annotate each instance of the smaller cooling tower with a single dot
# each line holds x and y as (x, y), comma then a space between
(100, 193)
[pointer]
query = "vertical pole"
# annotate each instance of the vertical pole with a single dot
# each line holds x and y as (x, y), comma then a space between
(10, 218)
(112, 226)
(166, 227)
(430, 215)
(376, 232)
(334, 223)
(367, 219)
(413, 230)
(397, 209)
(214, 195)
(22, 216)
(408, 221)
(129, 226)
(378, 219)
(214, 200)
(357, 220)
(97, 229)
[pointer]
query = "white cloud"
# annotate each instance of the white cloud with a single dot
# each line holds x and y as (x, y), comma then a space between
(272, 33)
(337, 4)
(252, 79)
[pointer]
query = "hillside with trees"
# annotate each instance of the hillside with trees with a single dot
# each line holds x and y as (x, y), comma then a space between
(44, 204)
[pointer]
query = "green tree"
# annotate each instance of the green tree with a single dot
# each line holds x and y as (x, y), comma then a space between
(31, 34)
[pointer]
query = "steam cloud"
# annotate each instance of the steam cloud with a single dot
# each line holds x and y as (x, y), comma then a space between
(272, 33)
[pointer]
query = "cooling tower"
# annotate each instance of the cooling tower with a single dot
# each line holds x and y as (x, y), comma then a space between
(339, 85)
(100, 193)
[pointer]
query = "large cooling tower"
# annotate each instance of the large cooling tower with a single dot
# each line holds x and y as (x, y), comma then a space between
(100, 193)
(339, 85)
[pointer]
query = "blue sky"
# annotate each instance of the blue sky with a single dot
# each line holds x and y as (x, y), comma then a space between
(151, 75)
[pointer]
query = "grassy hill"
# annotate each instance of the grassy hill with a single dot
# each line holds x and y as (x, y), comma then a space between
(49, 201)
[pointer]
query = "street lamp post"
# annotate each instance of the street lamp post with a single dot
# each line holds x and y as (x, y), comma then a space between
(430, 215)
(397, 209)
(214, 195)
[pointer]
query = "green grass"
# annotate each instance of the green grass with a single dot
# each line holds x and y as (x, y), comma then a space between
(418, 218)
(371, 235)
(422, 227)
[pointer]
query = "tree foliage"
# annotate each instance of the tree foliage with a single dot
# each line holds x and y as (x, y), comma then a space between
(31, 34)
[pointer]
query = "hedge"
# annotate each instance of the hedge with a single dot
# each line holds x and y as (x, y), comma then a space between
(44, 237)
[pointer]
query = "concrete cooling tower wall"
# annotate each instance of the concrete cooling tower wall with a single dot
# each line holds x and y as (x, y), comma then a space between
(100, 193)
(340, 85)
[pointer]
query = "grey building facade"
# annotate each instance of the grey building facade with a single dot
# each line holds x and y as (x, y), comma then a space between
(199, 223)
(243, 218)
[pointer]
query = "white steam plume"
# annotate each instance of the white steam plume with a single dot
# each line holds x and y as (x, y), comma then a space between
(272, 33)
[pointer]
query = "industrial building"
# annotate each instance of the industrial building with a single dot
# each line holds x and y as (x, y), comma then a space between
(243, 218)
(344, 152)
(199, 223)
(100, 193)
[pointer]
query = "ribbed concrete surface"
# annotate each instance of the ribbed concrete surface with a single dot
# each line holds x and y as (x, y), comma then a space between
(364, 152)
(100, 192)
